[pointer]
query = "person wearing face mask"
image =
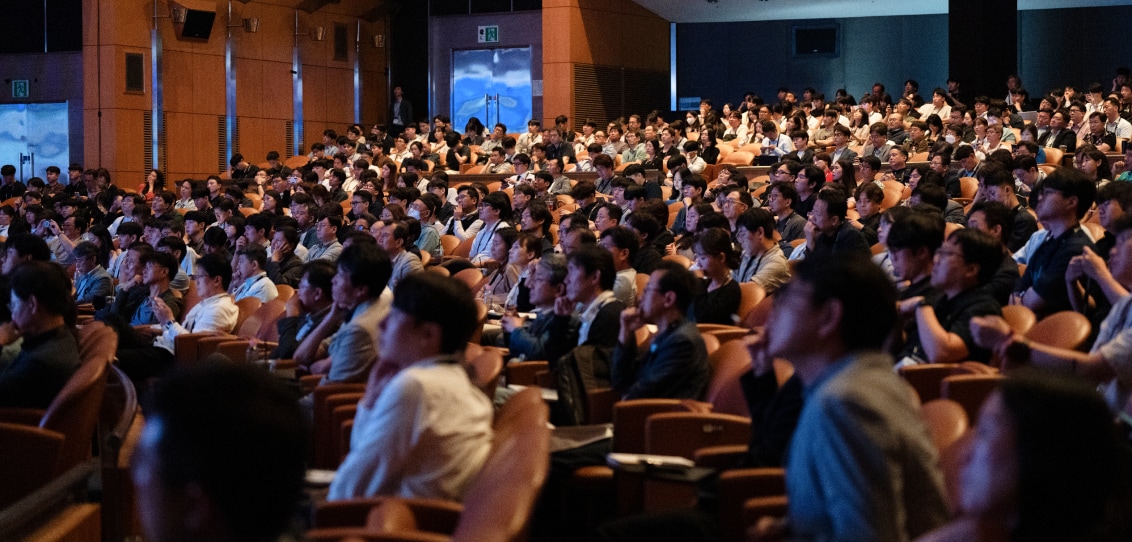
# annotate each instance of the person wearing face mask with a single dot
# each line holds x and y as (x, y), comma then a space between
(424, 210)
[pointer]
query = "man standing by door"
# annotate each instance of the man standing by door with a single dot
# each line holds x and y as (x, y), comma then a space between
(400, 113)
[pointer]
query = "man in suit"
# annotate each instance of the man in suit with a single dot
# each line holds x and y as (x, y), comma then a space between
(1058, 135)
(400, 113)
(878, 145)
(675, 366)
(841, 150)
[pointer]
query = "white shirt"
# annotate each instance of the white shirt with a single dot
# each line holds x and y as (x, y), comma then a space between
(427, 435)
(216, 313)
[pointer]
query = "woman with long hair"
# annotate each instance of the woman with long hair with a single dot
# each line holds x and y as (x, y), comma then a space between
(271, 203)
(858, 127)
(845, 175)
(708, 149)
(154, 183)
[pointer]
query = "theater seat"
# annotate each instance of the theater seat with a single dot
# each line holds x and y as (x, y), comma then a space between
(29, 457)
(497, 505)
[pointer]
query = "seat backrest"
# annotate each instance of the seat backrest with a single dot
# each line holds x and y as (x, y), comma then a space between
(464, 249)
(286, 291)
(968, 186)
(192, 297)
(484, 366)
(448, 244)
(74, 412)
(682, 433)
(1020, 318)
(117, 415)
(28, 460)
(727, 364)
(629, 420)
(97, 343)
(247, 306)
(970, 391)
(498, 503)
(642, 282)
(1065, 329)
(1054, 155)
(946, 421)
(324, 443)
(926, 378)
(472, 277)
(757, 317)
(752, 295)
(264, 319)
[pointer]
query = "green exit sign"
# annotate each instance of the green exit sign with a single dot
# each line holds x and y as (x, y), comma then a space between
(20, 88)
(488, 34)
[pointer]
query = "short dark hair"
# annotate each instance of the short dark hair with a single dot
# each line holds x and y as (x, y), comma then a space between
(215, 265)
(240, 436)
(915, 230)
(981, 249)
(319, 274)
(835, 204)
(131, 228)
(1072, 182)
(163, 259)
(995, 214)
(867, 296)
(255, 253)
(592, 259)
(429, 297)
(30, 245)
(48, 283)
(195, 216)
(86, 249)
(623, 238)
(679, 280)
(368, 266)
(755, 219)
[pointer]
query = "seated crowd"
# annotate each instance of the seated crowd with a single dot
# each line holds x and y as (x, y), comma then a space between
(888, 233)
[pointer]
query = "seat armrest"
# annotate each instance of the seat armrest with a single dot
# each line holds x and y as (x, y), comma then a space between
(22, 416)
(524, 373)
(720, 457)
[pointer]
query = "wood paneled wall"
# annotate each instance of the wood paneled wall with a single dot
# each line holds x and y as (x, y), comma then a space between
(194, 85)
(614, 33)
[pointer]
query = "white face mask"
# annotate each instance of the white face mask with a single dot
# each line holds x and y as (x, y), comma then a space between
(949, 138)
(414, 213)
